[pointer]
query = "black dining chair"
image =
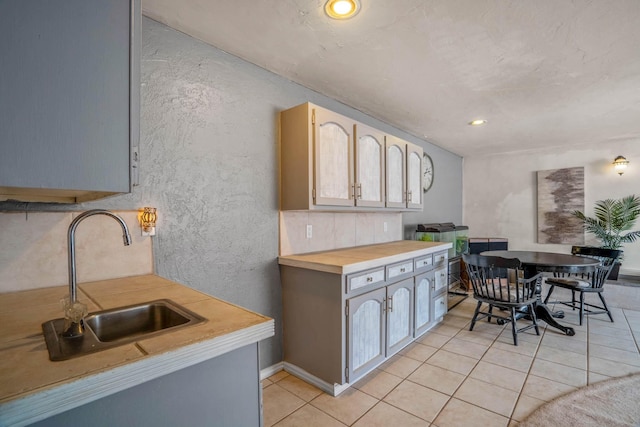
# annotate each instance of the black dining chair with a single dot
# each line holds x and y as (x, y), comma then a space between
(586, 283)
(499, 282)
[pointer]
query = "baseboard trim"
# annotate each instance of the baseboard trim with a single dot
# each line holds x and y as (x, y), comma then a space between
(271, 370)
(332, 389)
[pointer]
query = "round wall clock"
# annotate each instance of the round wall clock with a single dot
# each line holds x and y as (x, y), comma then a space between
(427, 172)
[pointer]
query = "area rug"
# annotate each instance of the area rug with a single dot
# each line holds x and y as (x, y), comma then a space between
(609, 403)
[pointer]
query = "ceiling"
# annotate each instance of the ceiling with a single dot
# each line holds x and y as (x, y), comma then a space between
(544, 73)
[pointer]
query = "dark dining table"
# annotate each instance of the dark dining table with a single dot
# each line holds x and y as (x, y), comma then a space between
(537, 262)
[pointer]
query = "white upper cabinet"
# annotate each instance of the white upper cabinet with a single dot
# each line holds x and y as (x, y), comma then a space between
(414, 176)
(69, 91)
(331, 162)
(333, 142)
(370, 167)
(396, 172)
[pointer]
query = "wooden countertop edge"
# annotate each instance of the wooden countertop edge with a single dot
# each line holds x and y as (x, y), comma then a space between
(376, 260)
(46, 403)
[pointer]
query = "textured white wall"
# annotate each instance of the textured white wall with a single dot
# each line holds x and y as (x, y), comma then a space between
(500, 191)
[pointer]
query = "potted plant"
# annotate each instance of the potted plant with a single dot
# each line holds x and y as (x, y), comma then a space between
(612, 223)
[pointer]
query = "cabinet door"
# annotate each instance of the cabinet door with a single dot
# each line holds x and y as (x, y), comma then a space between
(414, 176)
(441, 279)
(395, 170)
(423, 302)
(369, 167)
(439, 306)
(68, 87)
(365, 332)
(399, 315)
(333, 149)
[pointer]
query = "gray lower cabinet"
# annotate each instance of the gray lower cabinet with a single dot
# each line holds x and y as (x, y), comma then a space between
(338, 327)
(69, 116)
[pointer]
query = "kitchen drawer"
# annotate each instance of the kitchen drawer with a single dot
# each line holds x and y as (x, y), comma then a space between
(423, 263)
(440, 282)
(401, 269)
(366, 278)
(440, 257)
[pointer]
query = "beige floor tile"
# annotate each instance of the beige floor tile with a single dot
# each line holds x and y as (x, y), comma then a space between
(420, 401)
(303, 390)
(456, 321)
(563, 357)
(487, 396)
(544, 389)
(459, 414)
(617, 355)
(555, 339)
(525, 406)
(447, 330)
(437, 378)
(513, 423)
(508, 359)
(265, 382)
(419, 352)
(593, 378)
(278, 376)
(278, 403)
(610, 367)
(475, 337)
(347, 407)
(606, 329)
(378, 383)
(309, 416)
(400, 366)
(453, 362)
(613, 342)
(523, 347)
(434, 339)
(488, 328)
(526, 336)
(560, 373)
(466, 348)
(385, 415)
(499, 375)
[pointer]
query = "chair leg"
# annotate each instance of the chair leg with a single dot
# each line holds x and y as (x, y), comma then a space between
(549, 294)
(534, 318)
(581, 307)
(475, 315)
(604, 304)
(490, 311)
(573, 302)
(514, 327)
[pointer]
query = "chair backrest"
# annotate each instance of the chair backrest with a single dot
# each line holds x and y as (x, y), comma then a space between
(607, 258)
(498, 279)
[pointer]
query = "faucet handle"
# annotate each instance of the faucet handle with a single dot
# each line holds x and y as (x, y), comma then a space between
(74, 312)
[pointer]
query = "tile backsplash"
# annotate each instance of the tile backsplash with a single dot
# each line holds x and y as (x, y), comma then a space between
(33, 249)
(334, 230)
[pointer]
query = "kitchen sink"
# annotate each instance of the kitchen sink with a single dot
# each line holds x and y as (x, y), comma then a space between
(118, 326)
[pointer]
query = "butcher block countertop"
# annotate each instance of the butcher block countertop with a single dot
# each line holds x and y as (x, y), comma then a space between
(358, 258)
(32, 385)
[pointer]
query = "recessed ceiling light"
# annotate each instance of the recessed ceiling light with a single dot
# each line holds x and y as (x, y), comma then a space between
(477, 122)
(342, 9)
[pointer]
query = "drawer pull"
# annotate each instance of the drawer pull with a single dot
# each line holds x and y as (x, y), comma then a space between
(402, 270)
(369, 279)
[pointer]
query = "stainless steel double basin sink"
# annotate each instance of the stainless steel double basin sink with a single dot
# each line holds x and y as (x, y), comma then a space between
(118, 326)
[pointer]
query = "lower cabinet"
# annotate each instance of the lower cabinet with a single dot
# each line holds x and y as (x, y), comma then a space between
(339, 327)
(379, 324)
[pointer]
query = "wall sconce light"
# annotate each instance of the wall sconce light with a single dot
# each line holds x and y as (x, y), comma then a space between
(620, 164)
(148, 218)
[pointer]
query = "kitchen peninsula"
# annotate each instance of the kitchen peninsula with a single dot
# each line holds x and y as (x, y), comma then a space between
(346, 311)
(206, 371)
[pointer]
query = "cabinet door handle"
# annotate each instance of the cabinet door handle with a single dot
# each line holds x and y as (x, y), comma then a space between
(409, 196)
(359, 191)
(353, 192)
(390, 304)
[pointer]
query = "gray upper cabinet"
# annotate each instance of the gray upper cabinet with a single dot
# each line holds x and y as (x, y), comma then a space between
(69, 91)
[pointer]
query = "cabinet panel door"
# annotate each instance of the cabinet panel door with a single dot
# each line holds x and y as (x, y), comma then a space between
(440, 306)
(399, 315)
(370, 167)
(365, 332)
(333, 148)
(414, 176)
(423, 302)
(441, 282)
(395, 153)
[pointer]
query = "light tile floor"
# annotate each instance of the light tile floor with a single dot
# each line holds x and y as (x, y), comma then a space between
(453, 377)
